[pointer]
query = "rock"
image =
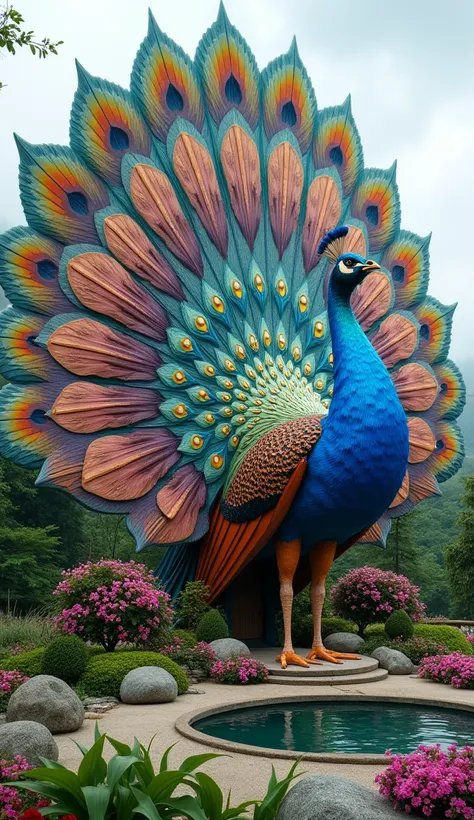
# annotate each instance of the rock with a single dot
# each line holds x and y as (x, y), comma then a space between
(92, 716)
(195, 692)
(29, 739)
(395, 662)
(47, 700)
(148, 684)
(225, 648)
(329, 797)
(94, 701)
(344, 642)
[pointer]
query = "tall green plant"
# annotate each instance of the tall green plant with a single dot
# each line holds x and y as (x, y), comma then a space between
(127, 785)
(193, 602)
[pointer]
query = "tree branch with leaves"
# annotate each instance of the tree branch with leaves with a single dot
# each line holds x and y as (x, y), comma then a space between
(14, 35)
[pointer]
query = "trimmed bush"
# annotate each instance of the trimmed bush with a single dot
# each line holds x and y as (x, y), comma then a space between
(329, 626)
(28, 663)
(105, 673)
(399, 625)
(451, 637)
(112, 602)
(66, 657)
(211, 627)
(304, 628)
(367, 595)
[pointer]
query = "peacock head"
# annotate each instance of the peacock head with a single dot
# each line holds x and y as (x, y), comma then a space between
(349, 268)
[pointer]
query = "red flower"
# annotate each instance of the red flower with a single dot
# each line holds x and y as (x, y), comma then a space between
(69, 817)
(30, 814)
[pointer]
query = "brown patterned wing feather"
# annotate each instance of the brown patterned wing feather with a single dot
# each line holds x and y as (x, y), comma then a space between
(229, 546)
(265, 470)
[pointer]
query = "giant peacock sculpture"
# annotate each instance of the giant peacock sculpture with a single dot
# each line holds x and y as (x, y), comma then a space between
(218, 327)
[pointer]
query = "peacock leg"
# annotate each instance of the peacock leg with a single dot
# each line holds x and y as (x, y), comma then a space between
(321, 558)
(288, 555)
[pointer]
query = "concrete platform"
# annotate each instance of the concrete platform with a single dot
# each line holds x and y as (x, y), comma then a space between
(364, 670)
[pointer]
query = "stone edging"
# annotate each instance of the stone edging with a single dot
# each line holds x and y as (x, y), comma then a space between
(184, 725)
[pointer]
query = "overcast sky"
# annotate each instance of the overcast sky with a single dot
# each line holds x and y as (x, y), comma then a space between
(409, 65)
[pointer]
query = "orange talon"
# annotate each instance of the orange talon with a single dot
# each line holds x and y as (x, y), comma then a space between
(291, 657)
(322, 654)
(344, 655)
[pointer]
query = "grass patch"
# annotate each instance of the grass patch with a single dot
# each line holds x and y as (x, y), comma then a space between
(29, 631)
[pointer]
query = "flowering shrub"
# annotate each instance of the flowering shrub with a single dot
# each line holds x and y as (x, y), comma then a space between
(239, 670)
(201, 656)
(455, 669)
(9, 681)
(470, 637)
(367, 595)
(431, 782)
(14, 803)
(111, 602)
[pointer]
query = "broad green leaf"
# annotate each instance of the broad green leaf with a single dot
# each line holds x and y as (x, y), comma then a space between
(136, 750)
(148, 771)
(59, 777)
(58, 795)
(93, 767)
(187, 806)
(117, 767)
(164, 784)
(238, 811)
(121, 748)
(125, 802)
(164, 759)
(51, 764)
(97, 732)
(97, 800)
(210, 796)
(193, 762)
(145, 805)
(81, 748)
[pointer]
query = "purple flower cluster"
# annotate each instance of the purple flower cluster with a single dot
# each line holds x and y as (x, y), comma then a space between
(239, 670)
(455, 669)
(111, 602)
(9, 681)
(431, 782)
(201, 656)
(367, 595)
(11, 803)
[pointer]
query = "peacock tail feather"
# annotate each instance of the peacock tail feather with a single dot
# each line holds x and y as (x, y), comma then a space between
(168, 298)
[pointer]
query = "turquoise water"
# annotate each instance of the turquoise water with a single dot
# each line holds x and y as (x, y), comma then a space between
(338, 726)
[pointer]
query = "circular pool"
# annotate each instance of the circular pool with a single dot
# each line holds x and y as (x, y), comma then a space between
(325, 728)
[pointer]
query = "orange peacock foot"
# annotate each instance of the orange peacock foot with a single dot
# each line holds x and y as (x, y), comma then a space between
(292, 658)
(323, 654)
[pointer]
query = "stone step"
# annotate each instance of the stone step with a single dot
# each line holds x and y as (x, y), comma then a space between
(329, 680)
(323, 670)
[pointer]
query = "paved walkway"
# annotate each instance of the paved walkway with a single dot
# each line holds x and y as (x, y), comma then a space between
(246, 775)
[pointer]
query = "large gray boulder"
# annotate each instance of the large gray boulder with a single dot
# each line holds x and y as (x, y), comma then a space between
(329, 797)
(226, 648)
(344, 642)
(395, 662)
(148, 684)
(30, 740)
(47, 700)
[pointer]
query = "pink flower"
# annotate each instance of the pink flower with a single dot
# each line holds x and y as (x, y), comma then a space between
(239, 670)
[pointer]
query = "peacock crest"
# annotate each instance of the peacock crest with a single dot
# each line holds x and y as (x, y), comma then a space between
(169, 295)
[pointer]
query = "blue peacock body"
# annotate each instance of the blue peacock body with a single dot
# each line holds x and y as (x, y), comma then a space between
(195, 341)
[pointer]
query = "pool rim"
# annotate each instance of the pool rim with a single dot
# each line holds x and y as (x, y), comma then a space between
(184, 725)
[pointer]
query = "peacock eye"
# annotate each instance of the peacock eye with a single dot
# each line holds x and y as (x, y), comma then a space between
(349, 262)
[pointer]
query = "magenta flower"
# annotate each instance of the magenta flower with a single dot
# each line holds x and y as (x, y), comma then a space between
(455, 669)
(112, 601)
(431, 782)
(239, 670)
(368, 595)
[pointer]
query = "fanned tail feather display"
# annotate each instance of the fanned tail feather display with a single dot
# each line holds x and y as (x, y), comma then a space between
(168, 297)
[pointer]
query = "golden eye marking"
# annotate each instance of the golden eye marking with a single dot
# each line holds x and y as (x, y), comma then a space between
(186, 344)
(197, 442)
(201, 324)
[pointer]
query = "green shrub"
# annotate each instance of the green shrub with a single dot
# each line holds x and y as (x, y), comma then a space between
(399, 625)
(331, 625)
(28, 631)
(374, 629)
(373, 642)
(28, 663)
(105, 673)
(302, 631)
(211, 627)
(451, 637)
(192, 604)
(414, 648)
(66, 657)
(186, 636)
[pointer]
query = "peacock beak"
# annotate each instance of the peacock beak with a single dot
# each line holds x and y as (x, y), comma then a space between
(370, 265)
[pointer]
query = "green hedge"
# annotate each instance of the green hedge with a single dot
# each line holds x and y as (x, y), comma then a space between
(451, 637)
(303, 629)
(399, 625)
(105, 673)
(28, 663)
